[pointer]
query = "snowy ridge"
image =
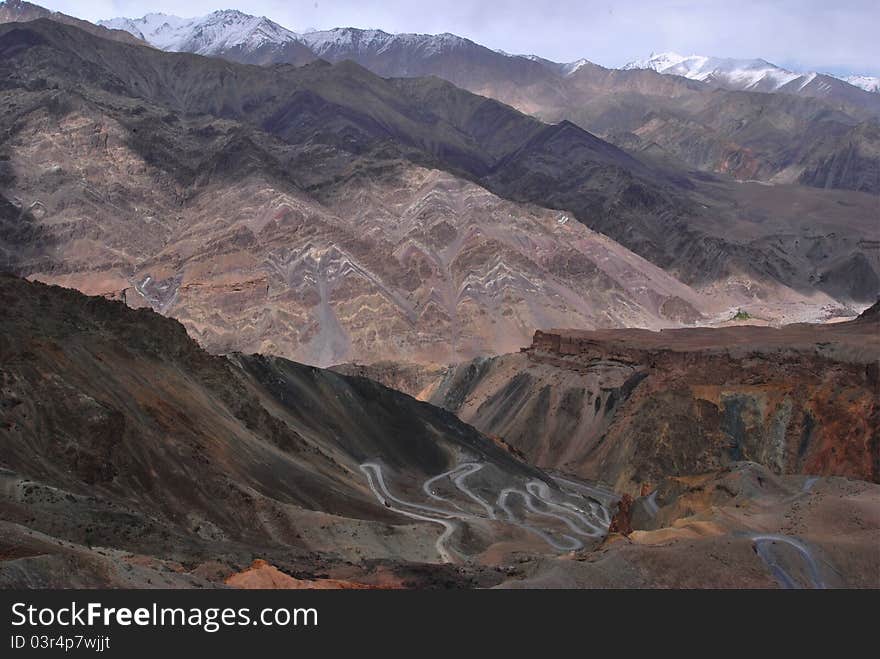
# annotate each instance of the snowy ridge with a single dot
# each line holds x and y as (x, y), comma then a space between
(222, 31)
(357, 41)
(570, 67)
(743, 74)
(564, 69)
(733, 73)
(228, 29)
(205, 35)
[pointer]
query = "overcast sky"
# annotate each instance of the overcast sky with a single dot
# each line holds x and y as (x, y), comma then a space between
(836, 36)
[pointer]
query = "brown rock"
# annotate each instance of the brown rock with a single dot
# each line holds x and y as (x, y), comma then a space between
(622, 520)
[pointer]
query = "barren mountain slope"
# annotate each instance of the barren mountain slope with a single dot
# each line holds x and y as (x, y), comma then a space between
(747, 134)
(219, 185)
(395, 261)
(744, 131)
(18, 11)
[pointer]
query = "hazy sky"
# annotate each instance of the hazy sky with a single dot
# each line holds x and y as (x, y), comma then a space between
(837, 36)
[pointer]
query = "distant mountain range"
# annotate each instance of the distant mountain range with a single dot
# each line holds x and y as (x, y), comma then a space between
(642, 108)
(677, 118)
(748, 74)
(746, 137)
(373, 209)
(221, 32)
(770, 125)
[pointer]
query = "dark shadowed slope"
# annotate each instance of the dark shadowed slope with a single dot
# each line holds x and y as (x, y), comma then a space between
(118, 432)
(823, 134)
(18, 11)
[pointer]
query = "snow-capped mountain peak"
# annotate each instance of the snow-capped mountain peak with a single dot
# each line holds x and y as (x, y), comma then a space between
(658, 62)
(321, 41)
(150, 24)
(744, 74)
(204, 35)
(221, 31)
(563, 69)
(749, 74)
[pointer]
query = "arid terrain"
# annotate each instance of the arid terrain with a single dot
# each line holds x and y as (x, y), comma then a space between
(131, 457)
(428, 236)
(352, 309)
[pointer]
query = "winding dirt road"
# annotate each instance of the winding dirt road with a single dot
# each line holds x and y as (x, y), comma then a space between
(536, 495)
(767, 545)
(373, 473)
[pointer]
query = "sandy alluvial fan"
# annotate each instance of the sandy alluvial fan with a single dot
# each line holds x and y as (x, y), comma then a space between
(418, 212)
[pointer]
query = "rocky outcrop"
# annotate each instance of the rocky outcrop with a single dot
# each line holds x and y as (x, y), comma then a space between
(263, 576)
(622, 521)
(633, 407)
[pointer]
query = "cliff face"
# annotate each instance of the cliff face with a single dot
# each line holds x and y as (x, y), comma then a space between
(632, 407)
